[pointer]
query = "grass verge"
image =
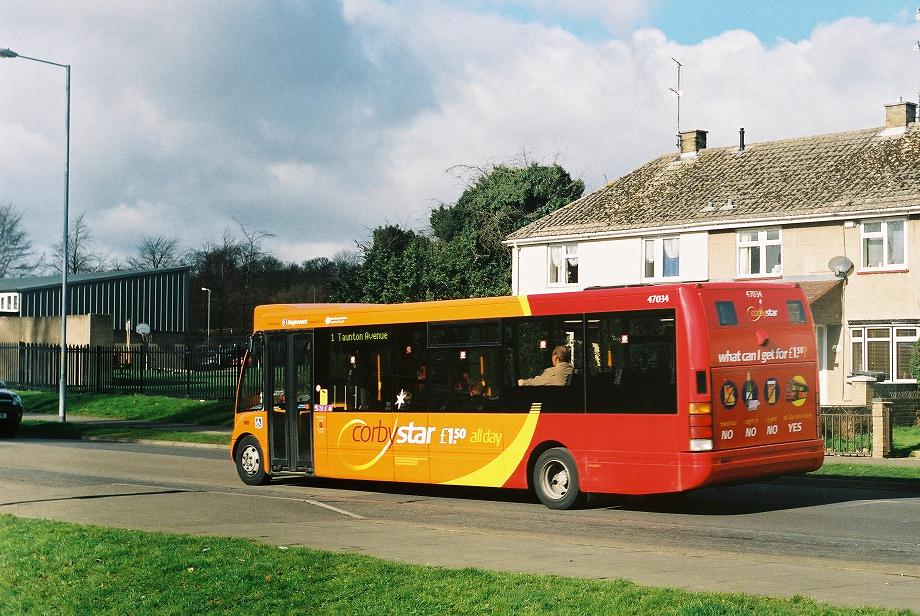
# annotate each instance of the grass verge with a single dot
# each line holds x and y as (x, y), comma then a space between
(48, 429)
(56, 567)
(868, 471)
(130, 406)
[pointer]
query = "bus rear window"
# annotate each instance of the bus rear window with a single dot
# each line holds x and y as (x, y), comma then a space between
(727, 314)
(796, 311)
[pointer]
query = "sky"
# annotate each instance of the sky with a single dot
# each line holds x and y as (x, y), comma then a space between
(316, 121)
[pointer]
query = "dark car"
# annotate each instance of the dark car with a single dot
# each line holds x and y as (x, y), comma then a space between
(10, 412)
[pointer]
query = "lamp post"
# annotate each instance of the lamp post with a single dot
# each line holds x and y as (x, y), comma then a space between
(208, 340)
(62, 381)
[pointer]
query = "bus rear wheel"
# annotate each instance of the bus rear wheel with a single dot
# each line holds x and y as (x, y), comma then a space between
(555, 480)
(250, 464)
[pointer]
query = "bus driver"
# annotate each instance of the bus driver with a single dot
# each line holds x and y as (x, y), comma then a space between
(557, 374)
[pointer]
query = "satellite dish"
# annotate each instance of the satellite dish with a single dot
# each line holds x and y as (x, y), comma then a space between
(143, 329)
(840, 266)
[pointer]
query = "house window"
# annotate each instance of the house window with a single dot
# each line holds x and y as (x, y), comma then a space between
(884, 349)
(563, 264)
(661, 258)
(883, 244)
(760, 253)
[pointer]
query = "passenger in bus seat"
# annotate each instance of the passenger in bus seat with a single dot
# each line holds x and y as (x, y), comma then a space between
(476, 401)
(557, 374)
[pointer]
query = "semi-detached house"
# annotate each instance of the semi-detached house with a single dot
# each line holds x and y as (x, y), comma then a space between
(779, 210)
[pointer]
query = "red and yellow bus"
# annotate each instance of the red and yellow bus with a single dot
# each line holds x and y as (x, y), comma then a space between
(669, 388)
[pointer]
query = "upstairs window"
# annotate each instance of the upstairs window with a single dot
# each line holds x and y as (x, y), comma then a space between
(563, 264)
(661, 258)
(760, 253)
(883, 244)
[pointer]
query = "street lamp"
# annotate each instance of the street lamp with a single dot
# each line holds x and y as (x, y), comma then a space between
(208, 341)
(62, 382)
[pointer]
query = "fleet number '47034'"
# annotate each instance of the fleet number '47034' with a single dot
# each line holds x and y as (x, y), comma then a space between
(658, 299)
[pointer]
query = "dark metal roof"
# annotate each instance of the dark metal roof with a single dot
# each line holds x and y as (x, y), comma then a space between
(858, 171)
(43, 282)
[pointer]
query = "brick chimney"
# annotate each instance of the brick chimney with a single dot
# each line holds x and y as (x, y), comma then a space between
(692, 141)
(900, 114)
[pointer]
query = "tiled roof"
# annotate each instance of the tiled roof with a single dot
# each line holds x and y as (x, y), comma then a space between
(855, 171)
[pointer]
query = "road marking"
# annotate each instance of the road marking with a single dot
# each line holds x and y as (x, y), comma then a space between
(290, 498)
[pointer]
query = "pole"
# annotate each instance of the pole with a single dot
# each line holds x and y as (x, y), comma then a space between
(62, 386)
(62, 382)
(208, 330)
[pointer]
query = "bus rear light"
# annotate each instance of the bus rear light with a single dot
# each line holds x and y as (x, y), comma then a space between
(700, 408)
(701, 444)
(700, 420)
(701, 432)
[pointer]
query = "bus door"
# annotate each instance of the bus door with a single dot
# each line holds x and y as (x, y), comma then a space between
(289, 383)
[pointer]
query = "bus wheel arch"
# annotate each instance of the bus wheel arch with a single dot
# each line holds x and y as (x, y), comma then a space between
(250, 461)
(553, 476)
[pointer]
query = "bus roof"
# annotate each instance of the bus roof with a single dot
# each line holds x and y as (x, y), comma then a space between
(308, 316)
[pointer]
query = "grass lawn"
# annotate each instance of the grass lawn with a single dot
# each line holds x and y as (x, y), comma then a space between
(131, 406)
(50, 429)
(868, 471)
(54, 567)
(904, 440)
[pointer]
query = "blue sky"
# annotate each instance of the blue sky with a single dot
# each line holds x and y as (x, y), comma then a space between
(691, 21)
(316, 120)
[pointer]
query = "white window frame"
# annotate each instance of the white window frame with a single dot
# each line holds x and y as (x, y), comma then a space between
(893, 339)
(883, 235)
(658, 249)
(561, 271)
(761, 242)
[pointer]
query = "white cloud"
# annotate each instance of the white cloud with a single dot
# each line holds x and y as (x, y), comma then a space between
(316, 122)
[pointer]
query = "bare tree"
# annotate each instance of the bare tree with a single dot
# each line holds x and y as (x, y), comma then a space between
(155, 253)
(81, 253)
(16, 255)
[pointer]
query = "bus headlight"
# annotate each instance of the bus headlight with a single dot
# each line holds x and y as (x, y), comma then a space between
(701, 444)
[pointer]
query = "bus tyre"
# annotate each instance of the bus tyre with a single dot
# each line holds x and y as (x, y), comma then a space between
(250, 463)
(555, 480)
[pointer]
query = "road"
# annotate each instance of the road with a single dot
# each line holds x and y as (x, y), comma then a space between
(844, 546)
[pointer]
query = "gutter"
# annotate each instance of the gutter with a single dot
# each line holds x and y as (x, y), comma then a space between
(740, 223)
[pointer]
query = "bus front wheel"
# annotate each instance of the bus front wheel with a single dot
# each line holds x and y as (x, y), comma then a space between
(250, 465)
(555, 479)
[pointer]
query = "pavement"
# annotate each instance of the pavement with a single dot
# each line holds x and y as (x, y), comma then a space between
(837, 544)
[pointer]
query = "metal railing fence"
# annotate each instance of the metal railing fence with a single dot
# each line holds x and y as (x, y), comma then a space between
(206, 373)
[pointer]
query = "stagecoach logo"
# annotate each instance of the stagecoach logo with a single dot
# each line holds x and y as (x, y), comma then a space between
(293, 322)
(335, 320)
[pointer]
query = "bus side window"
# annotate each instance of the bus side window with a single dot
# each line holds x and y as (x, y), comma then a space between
(464, 379)
(631, 362)
(529, 344)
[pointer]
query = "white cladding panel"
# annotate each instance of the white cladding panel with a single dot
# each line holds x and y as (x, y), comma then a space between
(694, 257)
(532, 275)
(611, 262)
